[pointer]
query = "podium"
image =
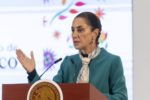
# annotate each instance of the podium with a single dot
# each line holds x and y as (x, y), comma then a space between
(71, 91)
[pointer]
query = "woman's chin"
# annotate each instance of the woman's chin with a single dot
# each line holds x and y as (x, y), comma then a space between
(77, 47)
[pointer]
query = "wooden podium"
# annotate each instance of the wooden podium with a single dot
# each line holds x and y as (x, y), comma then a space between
(71, 91)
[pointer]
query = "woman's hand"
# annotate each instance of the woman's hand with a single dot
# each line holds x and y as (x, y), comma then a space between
(26, 62)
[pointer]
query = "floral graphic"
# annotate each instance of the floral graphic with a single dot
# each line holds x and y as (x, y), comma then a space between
(49, 58)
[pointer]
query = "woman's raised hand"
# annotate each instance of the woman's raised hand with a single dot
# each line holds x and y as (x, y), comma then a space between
(26, 62)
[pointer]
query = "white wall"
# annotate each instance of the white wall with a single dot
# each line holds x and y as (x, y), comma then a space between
(141, 49)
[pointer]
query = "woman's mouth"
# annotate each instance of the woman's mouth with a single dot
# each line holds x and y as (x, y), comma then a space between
(76, 42)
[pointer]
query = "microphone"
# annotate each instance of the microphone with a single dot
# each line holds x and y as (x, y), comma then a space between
(50, 67)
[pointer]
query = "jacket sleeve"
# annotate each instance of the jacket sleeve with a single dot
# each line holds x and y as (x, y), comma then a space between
(33, 76)
(59, 76)
(66, 71)
(118, 90)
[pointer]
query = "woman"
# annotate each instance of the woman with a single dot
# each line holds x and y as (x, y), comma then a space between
(92, 65)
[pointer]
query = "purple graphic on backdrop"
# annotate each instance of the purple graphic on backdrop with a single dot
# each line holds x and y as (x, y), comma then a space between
(49, 58)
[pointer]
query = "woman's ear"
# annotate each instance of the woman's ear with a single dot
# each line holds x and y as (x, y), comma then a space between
(95, 33)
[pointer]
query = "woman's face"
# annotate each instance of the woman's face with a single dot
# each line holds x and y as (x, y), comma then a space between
(82, 34)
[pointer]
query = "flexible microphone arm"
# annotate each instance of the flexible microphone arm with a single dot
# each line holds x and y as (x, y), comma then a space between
(50, 67)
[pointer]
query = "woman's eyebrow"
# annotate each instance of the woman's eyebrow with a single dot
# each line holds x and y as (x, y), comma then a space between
(77, 27)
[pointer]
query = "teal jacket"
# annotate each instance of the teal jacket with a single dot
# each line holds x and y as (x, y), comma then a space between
(106, 74)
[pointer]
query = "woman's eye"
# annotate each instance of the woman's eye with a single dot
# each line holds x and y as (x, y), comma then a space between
(80, 30)
(72, 30)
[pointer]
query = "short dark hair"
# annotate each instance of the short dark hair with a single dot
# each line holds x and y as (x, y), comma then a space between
(93, 21)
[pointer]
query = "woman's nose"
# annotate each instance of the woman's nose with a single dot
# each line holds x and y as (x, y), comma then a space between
(74, 34)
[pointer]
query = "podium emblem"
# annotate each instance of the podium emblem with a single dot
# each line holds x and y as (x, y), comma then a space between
(45, 90)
